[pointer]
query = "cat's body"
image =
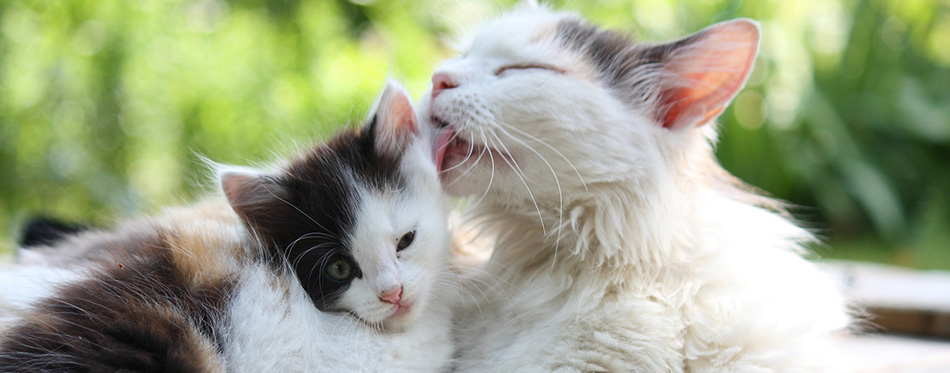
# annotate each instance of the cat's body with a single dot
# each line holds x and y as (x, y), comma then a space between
(620, 244)
(361, 285)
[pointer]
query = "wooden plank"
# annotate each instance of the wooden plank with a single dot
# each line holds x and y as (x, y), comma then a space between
(898, 300)
(882, 353)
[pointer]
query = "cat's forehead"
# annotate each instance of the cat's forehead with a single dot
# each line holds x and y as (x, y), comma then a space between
(516, 33)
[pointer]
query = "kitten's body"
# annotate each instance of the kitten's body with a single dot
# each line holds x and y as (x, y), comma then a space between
(621, 245)
(214, 287)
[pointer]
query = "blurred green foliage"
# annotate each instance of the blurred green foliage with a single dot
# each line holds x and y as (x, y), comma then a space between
(105, 104)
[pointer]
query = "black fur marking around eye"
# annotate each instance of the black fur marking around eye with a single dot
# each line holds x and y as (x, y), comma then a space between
(310, 227)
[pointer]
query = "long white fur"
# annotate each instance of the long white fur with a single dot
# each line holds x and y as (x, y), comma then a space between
(617, 248)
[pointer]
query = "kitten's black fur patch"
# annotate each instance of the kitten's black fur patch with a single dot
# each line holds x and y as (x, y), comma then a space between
(47, 231)
(308, 222)
(139, 314)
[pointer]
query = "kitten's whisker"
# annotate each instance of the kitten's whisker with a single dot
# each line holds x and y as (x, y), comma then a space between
(463, 290)
(482, 279)
(322, 263)
(295, 208)
(303, 254)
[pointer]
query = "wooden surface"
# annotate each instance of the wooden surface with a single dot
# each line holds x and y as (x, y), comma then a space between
(898, 300)
(886, 353)
(908, 328)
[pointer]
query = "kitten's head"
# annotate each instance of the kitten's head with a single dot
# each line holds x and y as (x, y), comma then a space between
(360, 220)
(542, 105)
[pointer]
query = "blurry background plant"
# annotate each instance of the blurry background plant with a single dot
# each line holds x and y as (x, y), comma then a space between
(104, 104)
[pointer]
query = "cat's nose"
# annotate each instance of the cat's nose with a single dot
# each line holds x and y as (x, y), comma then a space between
(441, 82)
(392, 296)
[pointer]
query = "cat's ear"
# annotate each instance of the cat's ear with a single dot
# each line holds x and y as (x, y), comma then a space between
(259, 199)
(703, 72)
(394, 124)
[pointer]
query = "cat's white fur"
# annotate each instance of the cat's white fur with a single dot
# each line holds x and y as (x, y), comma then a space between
(620, 245)
(275, 328)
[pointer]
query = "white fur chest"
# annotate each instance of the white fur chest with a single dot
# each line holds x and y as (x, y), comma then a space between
(740, 298)
(276, 329)
(583, 326)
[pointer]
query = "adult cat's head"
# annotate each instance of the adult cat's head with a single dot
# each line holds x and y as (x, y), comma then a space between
(360, 220)
(542, 107)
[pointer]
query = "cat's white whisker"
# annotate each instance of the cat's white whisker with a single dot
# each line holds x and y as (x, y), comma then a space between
(503, 126)
(471, 150)
(491, 177)
(472, 167)
(557, 182)
(521, 175)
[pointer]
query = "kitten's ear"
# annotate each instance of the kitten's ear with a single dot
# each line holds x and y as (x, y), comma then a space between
(256, 197)
(394, 122)
(704, 71)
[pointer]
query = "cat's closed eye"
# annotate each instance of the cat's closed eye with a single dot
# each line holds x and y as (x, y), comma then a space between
(526, 67)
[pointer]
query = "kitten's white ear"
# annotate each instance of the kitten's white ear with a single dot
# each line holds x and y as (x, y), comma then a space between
(703, 72)
(395, 123)
(254, 196)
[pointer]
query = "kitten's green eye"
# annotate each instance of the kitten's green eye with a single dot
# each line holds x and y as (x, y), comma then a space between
(406, 240)
(339, 269)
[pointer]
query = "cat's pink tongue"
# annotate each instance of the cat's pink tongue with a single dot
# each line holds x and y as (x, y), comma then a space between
(441, 144)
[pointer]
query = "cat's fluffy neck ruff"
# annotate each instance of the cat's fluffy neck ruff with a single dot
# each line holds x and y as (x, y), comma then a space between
(625, 224)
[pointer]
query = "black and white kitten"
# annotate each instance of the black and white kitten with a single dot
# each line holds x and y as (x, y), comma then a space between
(335, 261)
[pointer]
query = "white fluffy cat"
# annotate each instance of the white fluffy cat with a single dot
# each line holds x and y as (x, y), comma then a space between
(620, 243)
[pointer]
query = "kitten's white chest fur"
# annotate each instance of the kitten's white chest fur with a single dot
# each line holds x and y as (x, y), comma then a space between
(621, 245)
(275, 328)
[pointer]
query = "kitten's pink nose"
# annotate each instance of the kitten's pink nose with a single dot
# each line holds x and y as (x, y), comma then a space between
(392, 296)
(441, 82)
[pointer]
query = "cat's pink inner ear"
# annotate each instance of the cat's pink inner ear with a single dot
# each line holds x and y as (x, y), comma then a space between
(249, 194)
(237, 187)
(706, 73)
(401, 116)
(397, 118)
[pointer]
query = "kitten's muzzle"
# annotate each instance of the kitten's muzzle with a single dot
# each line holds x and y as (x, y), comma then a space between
(392, 296)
